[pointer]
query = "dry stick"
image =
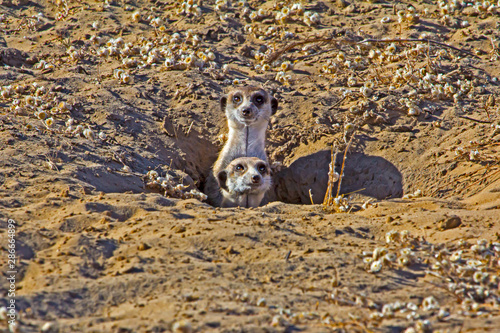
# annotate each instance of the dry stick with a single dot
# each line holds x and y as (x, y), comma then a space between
(482, 178)
(493, 46)
(275, 55)
(315, 39)
(343, 163)
(445, 289)
(356, 191)
(340, 101)
(316, 54)
(189, 130)
(476, 120)
(459, 70)
(418, 40)
(329, 186)
(328, 195)
(486, 107)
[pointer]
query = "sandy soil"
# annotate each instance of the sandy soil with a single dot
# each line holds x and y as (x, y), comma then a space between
(97, 94)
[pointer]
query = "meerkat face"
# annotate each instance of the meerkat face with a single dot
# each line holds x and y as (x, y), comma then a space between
(245, 175)
(249, 105)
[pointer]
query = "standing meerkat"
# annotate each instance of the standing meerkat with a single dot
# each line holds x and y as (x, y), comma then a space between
(244, 182)
(248, 110)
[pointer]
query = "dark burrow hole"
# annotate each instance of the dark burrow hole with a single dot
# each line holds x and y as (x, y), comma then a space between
(367, 176)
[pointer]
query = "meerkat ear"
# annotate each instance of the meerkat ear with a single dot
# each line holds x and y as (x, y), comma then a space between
(274, 104)
(223, 102)
(222, 178)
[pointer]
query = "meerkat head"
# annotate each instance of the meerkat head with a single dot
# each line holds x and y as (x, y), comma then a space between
(245, 175)
(249, 105)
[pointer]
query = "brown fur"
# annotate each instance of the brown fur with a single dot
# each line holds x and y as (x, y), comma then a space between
(247, 110)
(244, 182)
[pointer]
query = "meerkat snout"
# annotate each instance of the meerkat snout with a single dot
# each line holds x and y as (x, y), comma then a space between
(256, 179)
(247, 113)
(244, 182)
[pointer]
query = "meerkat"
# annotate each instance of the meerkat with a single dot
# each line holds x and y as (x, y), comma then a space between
(247, 110)
(244, 182)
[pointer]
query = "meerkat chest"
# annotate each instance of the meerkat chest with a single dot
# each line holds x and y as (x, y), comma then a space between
(247, 142)
(246, 200)
(235, 200)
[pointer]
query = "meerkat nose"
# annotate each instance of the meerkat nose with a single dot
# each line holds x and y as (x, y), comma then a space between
(246, 112)
(256, 179)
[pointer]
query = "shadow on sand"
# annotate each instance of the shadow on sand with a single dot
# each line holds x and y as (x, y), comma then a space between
(370, 176)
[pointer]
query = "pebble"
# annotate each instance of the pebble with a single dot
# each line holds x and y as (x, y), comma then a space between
(450, 223)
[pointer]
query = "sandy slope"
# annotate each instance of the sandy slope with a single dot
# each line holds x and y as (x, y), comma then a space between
(101, 253)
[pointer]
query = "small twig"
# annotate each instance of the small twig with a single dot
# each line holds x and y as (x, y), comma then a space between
(311, 39)
(327, 200)
(486, 108)
(356, 191)
(455, 71)
(476, 120)
(418, 40)
(493, 46)
(311, 197)
(343, 301)
(340, 101)
(343, 164)
(189, 129)
(51, 163)
(445, 289)
(275, 55)
(484, 178)
(316, 54)
(288, 255)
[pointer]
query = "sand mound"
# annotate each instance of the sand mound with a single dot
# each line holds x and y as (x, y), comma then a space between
(100, 98)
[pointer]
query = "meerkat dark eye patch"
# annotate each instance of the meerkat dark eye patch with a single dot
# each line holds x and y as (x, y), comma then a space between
(239, 167)
(222, 179)
(223, 103)
(262, 168)
(274, 104)
(259, 99)
(236, 99)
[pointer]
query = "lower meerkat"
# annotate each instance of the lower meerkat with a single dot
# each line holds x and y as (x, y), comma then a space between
(244, 182)
(247, 110)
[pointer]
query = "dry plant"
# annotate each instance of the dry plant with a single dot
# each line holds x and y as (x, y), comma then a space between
(417, 40)
(328, 39)
(338, 202)
(332, 178)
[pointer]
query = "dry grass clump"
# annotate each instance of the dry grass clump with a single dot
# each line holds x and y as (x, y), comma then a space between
(336, 201)
(468, 272)
(171, 186)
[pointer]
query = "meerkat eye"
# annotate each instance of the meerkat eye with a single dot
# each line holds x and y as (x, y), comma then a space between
(262, 168)
(239, 167)
(236, 99)
(259, 100)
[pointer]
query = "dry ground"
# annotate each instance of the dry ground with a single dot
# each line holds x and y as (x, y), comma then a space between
(101, 252)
